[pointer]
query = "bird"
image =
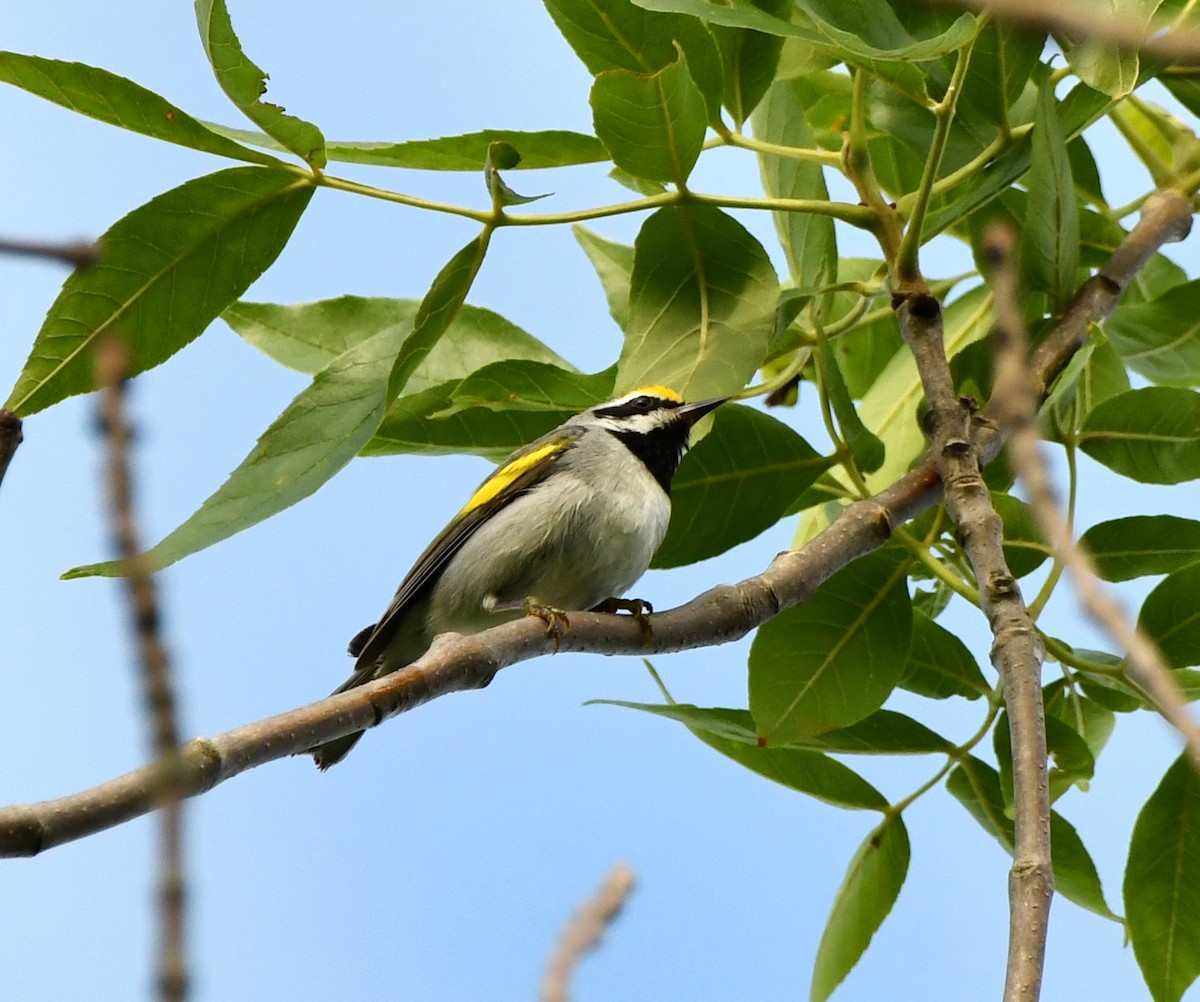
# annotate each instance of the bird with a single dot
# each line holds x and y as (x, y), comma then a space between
(567, 523)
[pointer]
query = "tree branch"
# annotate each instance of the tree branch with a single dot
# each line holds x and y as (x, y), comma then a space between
(157, 688)
(1016, 403)
(456, 663)
(10, 438)
(1016, 650)
(1151, 36)
(583, 932)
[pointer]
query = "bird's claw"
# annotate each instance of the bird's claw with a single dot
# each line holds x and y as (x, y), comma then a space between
(556, 620)
(638, 608)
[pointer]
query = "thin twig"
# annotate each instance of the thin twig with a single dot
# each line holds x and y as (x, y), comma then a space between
(77, 253)
(584, 931)
(1016, 650)
(1153, 37)
(718, 616)
(10, 438)
(157, 688)
(1016, 404)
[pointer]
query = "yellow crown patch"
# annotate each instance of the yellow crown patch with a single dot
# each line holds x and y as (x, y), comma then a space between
(659, 391)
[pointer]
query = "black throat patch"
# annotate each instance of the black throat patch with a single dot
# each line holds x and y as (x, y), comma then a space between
(660, 450)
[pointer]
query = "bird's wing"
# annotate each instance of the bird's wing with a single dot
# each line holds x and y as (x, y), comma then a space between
(520, 472)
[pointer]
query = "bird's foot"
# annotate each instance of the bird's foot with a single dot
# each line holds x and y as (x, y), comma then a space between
(638, 608)
(556, 620)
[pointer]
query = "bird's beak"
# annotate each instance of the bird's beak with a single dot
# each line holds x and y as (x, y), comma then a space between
(691, 413)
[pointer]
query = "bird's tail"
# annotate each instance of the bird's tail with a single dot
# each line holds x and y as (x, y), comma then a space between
(332, 752)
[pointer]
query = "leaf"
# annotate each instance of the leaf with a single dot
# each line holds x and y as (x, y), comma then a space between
(618, 35)
(939, 664)
(976, 785)
(490, 413)
(614, 267)
(749, 59)
(884, 732)
(1150, 435)
(1073, 764)
(1162, 884)
(503, 156)
(1126, 548)
(1094, 374)
(1113, 70)
(324, 427)
(1050, 236)
(868, 451)
(307, 336)
(319, 432)
(1024, 548)
(109, 98)
(808, 240)
(652, 126)
(834, 659)
(547, 148)
(870, 888)
(1170, 616)
(166, 271)
(1161, 338)
(439, 308)
(701, 304)
(738, 481)
(245, 84)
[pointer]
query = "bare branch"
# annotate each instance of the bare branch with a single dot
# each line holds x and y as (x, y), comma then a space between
(1153, 37)
(1016, 406)
(157, 689)
(457, 663)
(10, 438)
(583, 932)
(78, 254)
(1016, 649)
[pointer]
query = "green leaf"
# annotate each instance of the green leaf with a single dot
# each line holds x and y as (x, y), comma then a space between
(1024, 549)
(701, 305)
(737, 481)
(1002, 64)
(1126, 548)
(618, 35)
(308, 336)
(939, 664)
(1087, 718)
(976, 785)
(1111, 69)
(1094, 374)
(245, 84)
(1150, 435)
(870, 888)
(439, 308)
(868, 451)
(1162, 884)
(1050, 236)
(718, 721)
(808, 240)
(490, 413)
(834, 659)
(653, 126)
(884, 732)
(319, 432)
(750, 59)
(1170, 616)
(109, 98)
(547, 148)
(166, 271)
(1072, 758)
(614, 267)
(1161, 338)
(503, 156)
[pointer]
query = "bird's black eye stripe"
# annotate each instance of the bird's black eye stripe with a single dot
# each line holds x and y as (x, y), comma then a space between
(638, 405)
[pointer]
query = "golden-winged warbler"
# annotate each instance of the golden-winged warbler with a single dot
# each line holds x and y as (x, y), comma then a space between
(569, 522)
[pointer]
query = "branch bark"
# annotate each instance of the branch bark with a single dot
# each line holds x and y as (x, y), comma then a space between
(10, 438)
(158, 691)
(583, 932)
(718, 616)
(1016, 649)
(1016, 403)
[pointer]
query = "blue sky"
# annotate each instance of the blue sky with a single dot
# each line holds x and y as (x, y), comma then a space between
(440, 860)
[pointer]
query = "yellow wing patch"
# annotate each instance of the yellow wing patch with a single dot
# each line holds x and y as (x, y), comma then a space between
(659, 391)
(503, 477)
